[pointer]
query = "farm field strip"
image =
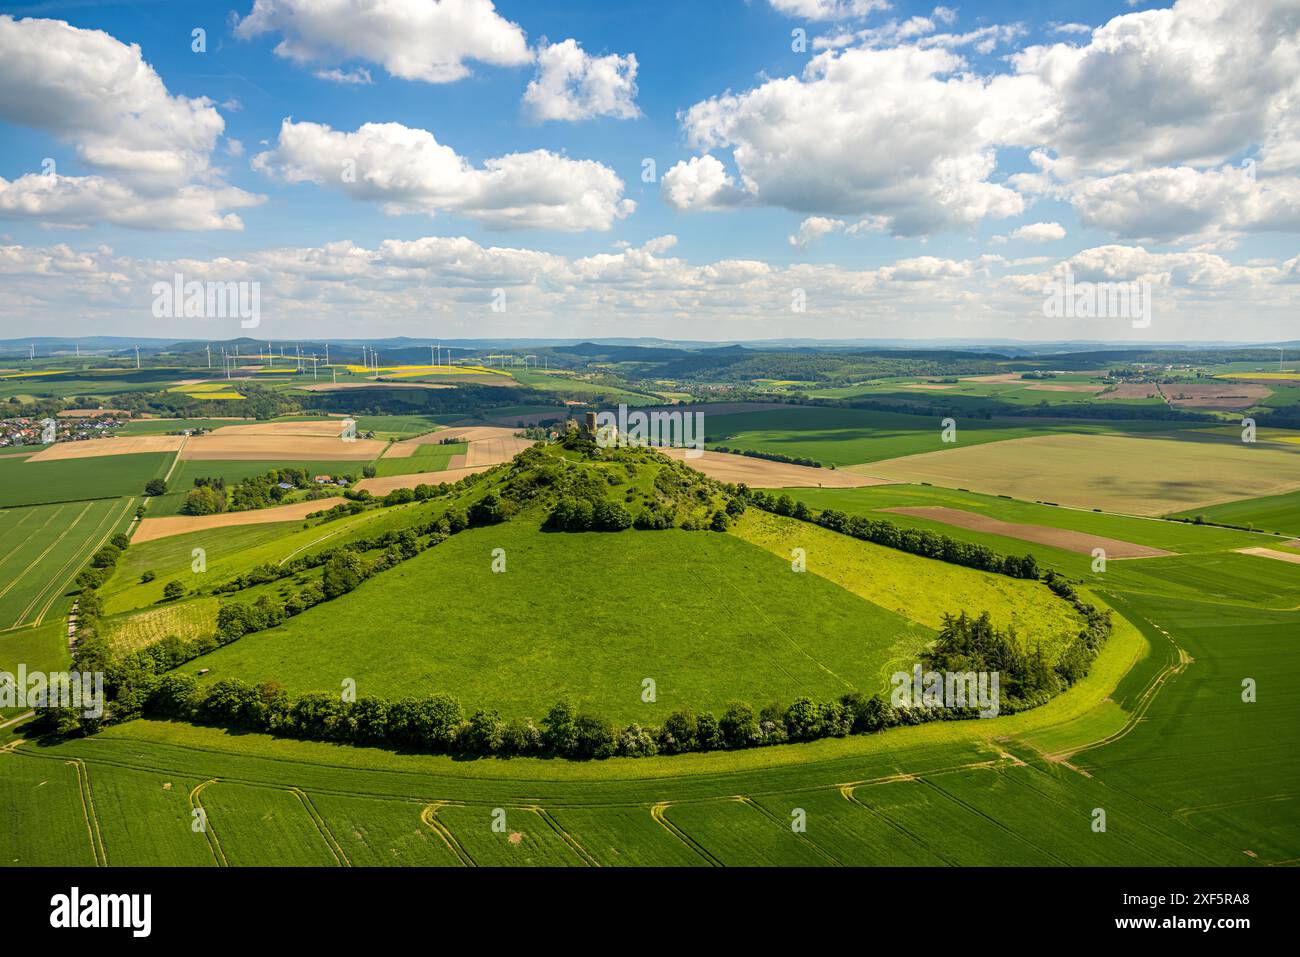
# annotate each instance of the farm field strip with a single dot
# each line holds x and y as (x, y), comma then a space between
(111, 522)
(1080, 542)
(35, 579)
(1273, 553)
(1088, 471)
(151, 529)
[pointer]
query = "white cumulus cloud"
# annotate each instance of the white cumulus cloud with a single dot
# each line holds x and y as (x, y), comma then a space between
(408, 171)
(573, 85)
(427, 40)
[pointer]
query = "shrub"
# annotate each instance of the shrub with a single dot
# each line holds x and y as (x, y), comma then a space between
(344, 571)
(173, 590)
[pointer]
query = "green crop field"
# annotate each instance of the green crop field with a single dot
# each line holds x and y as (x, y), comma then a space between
(1274, 513)
(843, 437)
(426, 458)
(42, 548)
(72, 480)
(1180, 472)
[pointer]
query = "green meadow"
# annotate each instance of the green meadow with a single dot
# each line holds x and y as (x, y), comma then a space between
(842, 437)
(72, 480)
(707, 616)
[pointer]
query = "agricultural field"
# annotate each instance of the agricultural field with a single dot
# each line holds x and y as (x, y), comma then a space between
(1092, 471)
(1275, 513)
(511, 617)
(472, 632)
(43, 547)
(74, 480)
(848, 437)
(425, 458)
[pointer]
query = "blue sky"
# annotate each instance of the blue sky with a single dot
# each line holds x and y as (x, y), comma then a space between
(1166, 210)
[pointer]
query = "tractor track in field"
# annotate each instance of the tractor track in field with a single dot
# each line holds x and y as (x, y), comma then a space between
(214, 845)
(658, 815)
(429, 815)
(97, 849)
(113, 518)
(39, 558)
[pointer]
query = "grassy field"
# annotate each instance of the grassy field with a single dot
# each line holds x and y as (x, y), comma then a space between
(397, 426)
(42, 548)
(426, 458)
(1274, 513)
(707, 616)
(43, 648)
(72, 480)
(1158, 727)
(1152, 475)
(843, 437)
(225, 551)
(918, 588)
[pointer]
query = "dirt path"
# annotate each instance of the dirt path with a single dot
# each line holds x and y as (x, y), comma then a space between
(1272, 553)
(762, 473)
(1070, 541)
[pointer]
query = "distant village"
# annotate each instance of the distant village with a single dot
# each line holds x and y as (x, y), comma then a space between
(73, 425)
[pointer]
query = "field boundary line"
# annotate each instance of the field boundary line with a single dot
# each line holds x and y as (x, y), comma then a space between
(335, 848)
(88, 811)
(22, 717)
(176, 459)
(751, 803)
(32, 564)
(565, 836)
(429, 815)
(209, 832)
(852, 796)
(971, 809)
(657, 814)
(7, 555)
(75, 560)
(1144, 701)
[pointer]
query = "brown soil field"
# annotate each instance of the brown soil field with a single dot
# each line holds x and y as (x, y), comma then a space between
(488, 445)
(760, 473)
(1080, 542)
(1272, 553)
(998, 377)
(1137, 475)
(319, 448)
(117, 445)
(494, 450)
(86, 413)
(1067, 387)
(328, 427)
(384, 485)
(151, 528)
(1229, 395)
(1131, 390)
